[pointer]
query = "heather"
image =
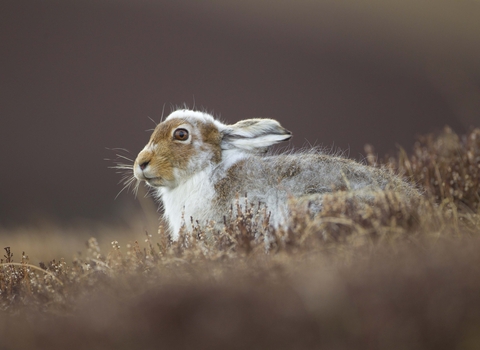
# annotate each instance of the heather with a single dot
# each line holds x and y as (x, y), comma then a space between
(390, 275)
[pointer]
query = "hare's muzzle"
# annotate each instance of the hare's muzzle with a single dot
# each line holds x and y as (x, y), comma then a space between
(141, 168)
(155, 170)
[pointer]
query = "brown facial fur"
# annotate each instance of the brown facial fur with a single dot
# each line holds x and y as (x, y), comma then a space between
(211, 138)
(167, 154)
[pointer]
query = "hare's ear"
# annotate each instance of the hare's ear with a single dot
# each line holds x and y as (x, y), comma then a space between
(254, 135)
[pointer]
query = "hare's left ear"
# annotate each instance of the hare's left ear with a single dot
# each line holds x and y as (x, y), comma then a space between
(253, 135)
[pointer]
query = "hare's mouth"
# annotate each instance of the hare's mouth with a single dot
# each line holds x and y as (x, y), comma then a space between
(153, 181)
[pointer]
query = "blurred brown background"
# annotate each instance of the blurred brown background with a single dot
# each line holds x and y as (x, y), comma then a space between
(77, 77)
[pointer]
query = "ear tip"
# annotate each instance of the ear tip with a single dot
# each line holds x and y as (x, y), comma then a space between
(288, 134)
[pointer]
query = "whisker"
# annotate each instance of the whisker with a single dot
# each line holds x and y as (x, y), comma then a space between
(163, 110)
(135, 188)
(150, 192)
(122, 166)
(154, 122)
(124, 157)
(125, 181)
(118, 149)
(123, 188)
(126, 176)
(125, 169)
(127, 184)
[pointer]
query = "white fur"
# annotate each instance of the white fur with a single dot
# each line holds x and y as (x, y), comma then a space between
(252, 144)
(197, 115)
(187, 200)
(230, 157)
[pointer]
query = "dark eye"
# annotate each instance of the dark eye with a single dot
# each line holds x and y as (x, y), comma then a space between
(180, 134)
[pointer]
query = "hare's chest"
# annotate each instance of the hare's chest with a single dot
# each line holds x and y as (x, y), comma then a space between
(190, 200)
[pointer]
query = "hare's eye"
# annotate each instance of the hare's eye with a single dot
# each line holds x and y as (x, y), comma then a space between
(181, 134)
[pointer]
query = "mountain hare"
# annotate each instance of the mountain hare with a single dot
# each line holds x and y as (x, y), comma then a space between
(199, 166)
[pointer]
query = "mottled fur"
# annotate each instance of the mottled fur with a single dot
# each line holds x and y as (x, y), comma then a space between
(202, 176)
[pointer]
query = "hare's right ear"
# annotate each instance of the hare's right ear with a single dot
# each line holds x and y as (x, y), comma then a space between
(254, 135)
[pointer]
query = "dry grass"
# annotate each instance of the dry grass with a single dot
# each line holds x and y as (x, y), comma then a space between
(386, 276)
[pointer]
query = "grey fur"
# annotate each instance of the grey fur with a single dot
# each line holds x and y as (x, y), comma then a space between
(274, 179)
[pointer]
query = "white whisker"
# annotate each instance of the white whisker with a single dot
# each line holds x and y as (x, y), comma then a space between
(128, 183)
(154, 122)
(135, 188)
(163, 110)
(124, 157)
(125, 170)
(122, 166)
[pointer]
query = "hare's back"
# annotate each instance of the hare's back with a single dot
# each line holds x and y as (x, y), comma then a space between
(300, 174)
(318, 173)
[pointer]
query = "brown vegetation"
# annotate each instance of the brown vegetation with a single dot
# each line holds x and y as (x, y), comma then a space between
(386, 276)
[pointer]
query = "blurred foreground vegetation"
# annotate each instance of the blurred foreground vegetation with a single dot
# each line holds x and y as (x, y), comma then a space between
(387, 276)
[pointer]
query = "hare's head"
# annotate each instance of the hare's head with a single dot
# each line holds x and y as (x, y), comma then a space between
(188, 142)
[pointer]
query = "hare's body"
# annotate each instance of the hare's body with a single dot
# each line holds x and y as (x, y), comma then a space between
(199, 166)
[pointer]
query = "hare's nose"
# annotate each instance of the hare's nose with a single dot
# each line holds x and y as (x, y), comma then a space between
(144, 165)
